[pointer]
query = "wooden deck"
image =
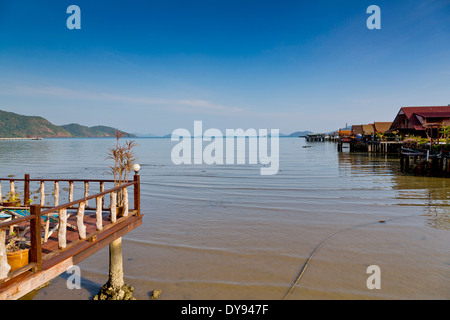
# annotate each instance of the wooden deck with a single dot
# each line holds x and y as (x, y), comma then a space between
(85, 231)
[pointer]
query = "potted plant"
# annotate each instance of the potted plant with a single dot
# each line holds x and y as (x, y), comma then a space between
(124, 159)
(17, 250)
(12, 200)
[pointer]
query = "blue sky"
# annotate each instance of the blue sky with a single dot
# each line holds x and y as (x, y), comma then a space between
(154, 66)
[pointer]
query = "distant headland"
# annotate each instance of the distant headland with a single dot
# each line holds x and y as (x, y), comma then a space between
(13, 125)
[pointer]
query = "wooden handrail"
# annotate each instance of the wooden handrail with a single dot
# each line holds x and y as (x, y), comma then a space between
(61, 180)
(35, 237)
(56, 194)
(10, 223)
(35, 252)
(70, 204)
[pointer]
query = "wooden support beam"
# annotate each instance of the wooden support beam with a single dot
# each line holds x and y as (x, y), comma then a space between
(137, 193)
(35, 237)
(125, 202)
(98, 213)
(62, 228)
(26, 189)
(80, 223)
(56, 196)
(86, 192)
(42, 193)
(12, 189)
(102, 189)
(70, 191)
(29, 281)
(113, 207)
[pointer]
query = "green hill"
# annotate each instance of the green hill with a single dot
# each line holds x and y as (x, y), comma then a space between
(299, 134)
(77, 130)
(13, 125)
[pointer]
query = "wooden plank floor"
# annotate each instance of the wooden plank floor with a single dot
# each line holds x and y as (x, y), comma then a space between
(56, 261)
(72, 235)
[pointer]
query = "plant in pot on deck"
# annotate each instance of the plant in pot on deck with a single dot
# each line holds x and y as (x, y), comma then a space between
(124, 159)
(17, 248)
(12, 200)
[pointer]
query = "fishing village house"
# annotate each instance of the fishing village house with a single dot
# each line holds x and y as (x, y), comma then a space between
(421, 121)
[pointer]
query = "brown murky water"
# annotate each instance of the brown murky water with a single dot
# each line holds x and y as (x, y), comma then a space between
(226, 232)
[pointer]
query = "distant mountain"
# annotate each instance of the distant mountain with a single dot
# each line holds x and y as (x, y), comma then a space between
(79, 131)
(146, 135)
(299, 134)
(13, 125)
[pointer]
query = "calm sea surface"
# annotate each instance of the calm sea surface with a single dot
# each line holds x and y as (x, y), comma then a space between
(226, 232)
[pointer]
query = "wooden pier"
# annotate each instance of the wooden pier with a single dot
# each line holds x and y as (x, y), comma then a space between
(315, 137)
(422, 163)
(62, 235)
(374, 147)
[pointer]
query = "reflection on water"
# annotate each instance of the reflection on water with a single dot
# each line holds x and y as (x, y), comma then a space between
(437, 213)
(430, 192)
(226, 232)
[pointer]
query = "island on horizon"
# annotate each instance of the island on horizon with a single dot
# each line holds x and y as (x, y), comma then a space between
(13, 125)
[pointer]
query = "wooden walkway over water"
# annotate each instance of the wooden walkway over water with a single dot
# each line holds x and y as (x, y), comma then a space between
(62, 235)
(374, 147)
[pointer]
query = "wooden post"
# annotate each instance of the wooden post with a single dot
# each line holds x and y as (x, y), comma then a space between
(47, 228)
(26, 189)
(12, 189)
(62, 228)
(86, 192)
(102, 188)
(401, 162)
(137, 194)
(4, 266)
(70, 191)
(56, 203)
(125, 202)
(35, 237)
(98, 213)
(42, 193)
(113, 207)
(80, 224)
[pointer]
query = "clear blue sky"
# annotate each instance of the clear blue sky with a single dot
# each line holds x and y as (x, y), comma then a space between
(154, 66)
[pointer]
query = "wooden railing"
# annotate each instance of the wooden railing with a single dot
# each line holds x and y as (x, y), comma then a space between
(43, 216)
(35, 252)
(56, 190)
